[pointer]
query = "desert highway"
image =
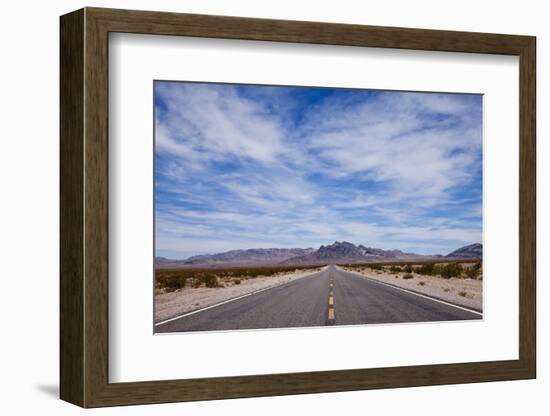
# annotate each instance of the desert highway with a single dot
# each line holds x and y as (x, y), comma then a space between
(329, 297)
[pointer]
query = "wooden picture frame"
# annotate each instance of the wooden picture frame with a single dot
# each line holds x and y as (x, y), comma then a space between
(84, 207)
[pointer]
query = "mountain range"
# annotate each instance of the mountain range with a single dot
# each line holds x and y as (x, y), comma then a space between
(338, 252)
(251, 256)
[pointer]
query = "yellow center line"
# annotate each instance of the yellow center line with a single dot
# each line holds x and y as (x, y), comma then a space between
(331, 302)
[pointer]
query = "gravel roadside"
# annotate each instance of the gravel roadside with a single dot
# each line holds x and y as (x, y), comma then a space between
(168, 305)
(463, 292)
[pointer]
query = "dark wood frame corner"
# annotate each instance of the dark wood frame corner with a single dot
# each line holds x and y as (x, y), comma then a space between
(84, 207)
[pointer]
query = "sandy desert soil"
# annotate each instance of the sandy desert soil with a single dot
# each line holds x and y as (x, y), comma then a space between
(464, 292)
(168, 305)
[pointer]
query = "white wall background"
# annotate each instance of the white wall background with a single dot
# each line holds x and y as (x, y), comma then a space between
(29, 208)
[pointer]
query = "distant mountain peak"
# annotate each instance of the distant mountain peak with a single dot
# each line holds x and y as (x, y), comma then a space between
(346, 252)
(161, 260)
(471, 251)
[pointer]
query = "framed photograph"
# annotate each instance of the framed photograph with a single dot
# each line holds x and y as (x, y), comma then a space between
(255, 207)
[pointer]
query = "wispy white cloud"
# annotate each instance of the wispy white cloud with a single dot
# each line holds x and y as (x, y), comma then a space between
(212, 122)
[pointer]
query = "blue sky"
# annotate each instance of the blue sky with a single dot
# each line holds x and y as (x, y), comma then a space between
(256, 166)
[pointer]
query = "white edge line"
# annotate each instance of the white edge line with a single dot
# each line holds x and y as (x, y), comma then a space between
(227, 301)
(416, 293)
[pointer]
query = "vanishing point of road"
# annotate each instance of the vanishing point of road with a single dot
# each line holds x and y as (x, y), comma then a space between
(329, 297)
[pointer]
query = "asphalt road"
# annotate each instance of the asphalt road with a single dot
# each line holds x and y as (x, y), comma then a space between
(329, 297)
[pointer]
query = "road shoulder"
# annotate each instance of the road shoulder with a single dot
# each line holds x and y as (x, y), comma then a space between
(173, 304)
(466, 293)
